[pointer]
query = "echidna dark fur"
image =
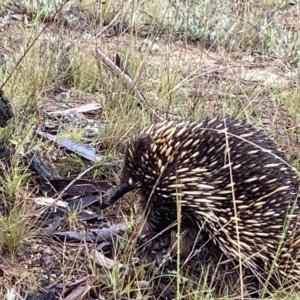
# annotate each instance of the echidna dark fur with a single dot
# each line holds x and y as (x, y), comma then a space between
(235, 188)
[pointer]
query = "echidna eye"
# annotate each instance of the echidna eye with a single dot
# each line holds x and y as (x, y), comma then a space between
(130, 181)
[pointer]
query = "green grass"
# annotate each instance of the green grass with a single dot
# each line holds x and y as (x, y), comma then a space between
(238, 58)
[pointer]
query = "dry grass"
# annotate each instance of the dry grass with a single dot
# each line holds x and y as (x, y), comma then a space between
(190, 58)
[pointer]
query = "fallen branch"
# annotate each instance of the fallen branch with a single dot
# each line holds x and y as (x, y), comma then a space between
(127, 80)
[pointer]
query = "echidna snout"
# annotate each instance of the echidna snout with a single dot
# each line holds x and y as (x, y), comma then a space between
(130, 179)
(120, 191)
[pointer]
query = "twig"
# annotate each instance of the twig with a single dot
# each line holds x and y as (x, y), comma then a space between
(127, 80)
(122, 75)
(74, 180)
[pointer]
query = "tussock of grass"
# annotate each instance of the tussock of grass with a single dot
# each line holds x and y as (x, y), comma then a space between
(16, 231)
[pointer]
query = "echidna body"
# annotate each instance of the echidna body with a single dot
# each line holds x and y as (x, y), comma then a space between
(233, 184)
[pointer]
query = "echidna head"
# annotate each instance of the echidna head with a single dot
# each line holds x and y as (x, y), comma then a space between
(132, 172)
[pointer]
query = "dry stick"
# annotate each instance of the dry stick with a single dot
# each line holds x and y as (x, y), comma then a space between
(127, 80)
(71, 286)
(74, 180)
(122, 75)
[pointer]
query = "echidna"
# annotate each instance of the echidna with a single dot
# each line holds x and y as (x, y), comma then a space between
(234, 187)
